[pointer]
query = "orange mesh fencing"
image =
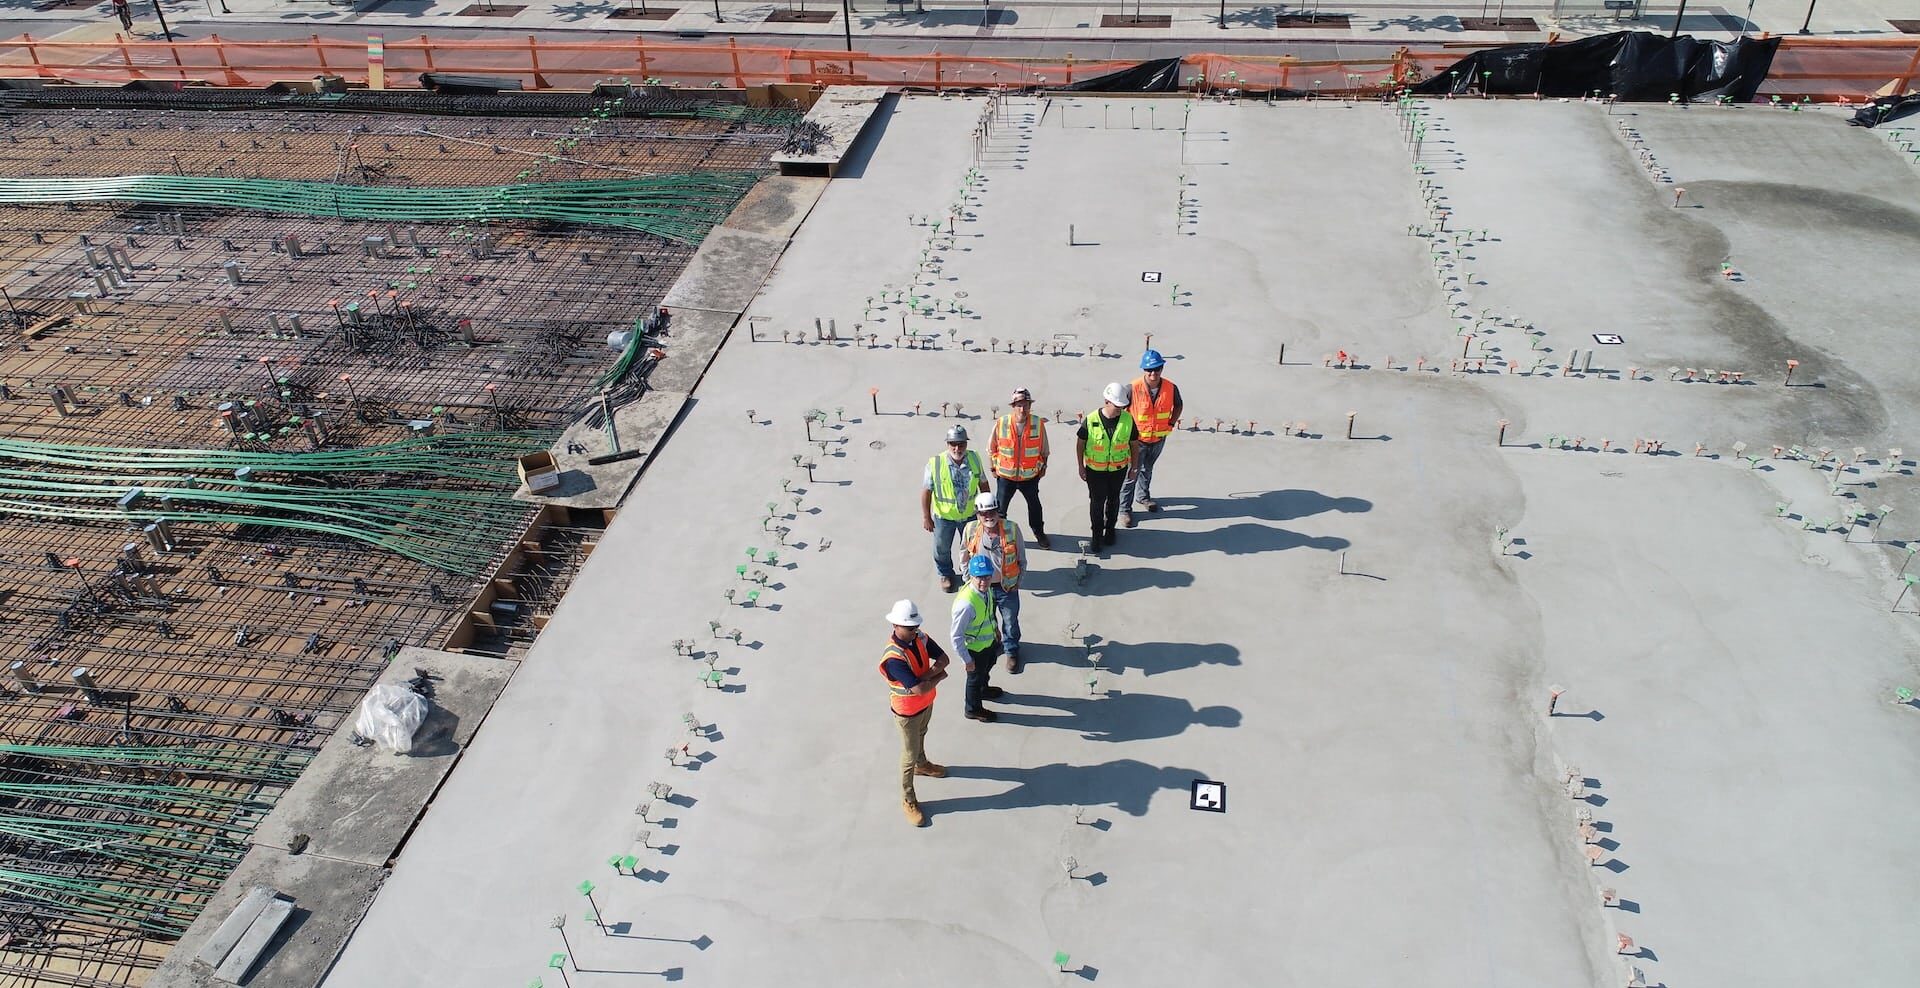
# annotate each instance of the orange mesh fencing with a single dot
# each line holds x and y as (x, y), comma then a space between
(1819, 67)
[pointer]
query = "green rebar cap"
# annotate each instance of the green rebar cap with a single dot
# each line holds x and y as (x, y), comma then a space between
(585, 888)
(1060, 958)
(629, 861)
(557, 961)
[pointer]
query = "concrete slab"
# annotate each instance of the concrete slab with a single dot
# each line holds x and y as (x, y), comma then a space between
(776, 205)
(640, 424)
(726, 271)
(329, 896)
(842, 113)
(359, 803)
(1358, 636)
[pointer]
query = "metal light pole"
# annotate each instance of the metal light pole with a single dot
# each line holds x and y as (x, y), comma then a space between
(1804, 25)
(157, 12)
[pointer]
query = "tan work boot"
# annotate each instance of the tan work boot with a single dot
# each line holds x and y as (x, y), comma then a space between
(914, 816)
(930, 770)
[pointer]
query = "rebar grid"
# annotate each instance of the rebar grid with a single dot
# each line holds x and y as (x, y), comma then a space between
(244, 645)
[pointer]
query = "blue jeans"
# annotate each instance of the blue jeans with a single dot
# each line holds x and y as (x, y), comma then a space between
(1143, 477)
(944, 534)
(1006, 609)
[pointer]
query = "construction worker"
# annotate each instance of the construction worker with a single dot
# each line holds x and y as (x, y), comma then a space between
(998, 539)
(1106, 453)
(974, 635)
(1018, 452)
(913, 666)
(946, 500)
(1156, 413)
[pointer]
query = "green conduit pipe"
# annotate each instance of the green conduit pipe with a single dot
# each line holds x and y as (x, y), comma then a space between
(681, 208)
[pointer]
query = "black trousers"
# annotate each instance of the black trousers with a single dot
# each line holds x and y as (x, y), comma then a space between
(1103, 501)
(1029, 489)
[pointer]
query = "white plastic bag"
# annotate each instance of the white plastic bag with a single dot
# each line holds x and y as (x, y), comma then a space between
(390, 715)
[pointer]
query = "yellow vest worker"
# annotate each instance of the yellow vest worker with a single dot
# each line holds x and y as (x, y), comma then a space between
(1106, 451)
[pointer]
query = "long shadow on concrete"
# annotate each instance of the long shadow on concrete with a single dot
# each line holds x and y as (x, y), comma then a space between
(1103, 581)
(1234, 540)
(853, 164)
(1126, 785)
(1153, 658)
(1284, 505)
(1115, 716)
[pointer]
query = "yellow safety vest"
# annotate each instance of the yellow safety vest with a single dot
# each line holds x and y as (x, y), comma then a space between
(1109, 451)
(981, 632)
(947, 502)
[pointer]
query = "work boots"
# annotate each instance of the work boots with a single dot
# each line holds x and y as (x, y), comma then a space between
(914, 815)
(930, 770)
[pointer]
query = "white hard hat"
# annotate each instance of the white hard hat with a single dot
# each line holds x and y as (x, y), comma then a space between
(985, 501)
(904, 614)
(1116, 393)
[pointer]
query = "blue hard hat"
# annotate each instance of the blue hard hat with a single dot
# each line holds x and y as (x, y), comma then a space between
(1151, 360)
(981, 565)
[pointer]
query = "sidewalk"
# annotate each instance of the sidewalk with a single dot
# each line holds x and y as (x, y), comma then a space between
(1031, 23)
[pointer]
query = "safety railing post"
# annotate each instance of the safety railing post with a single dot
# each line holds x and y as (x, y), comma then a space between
(733, 51)
(1069, 68)
(220, 51)
(1905, 82)
(426, 49)
(126, 57)
(33, 54)
(937, 74)
(319, 51)
(641, 46)
(533, 58)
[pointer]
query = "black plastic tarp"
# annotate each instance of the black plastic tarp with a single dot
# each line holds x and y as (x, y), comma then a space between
(1162, 75)
(1886, 108)
(1636, 66)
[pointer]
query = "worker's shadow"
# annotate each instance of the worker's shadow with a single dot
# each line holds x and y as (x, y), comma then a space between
(1153, 658)
(1126, 785)
(1234, 540)
(1103, 580)
(1284, 505)
(1115, 715)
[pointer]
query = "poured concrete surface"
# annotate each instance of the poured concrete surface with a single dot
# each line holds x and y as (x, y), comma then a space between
(1337, 629)
(359, 802)
(329, 896)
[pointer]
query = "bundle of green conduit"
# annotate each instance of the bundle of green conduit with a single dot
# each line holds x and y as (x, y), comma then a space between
(332, 492)
(681, 208)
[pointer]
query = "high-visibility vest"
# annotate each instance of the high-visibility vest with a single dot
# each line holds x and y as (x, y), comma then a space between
(1016, 456)
(980, 631)
(1155, 418)
(948, 503)
(905, 702)
(1109, 452)
(1009, 549)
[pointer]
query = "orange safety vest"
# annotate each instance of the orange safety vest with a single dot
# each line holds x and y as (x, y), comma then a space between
(1155, 418)
(1019, 457)
(905, 703)
(1009, 549)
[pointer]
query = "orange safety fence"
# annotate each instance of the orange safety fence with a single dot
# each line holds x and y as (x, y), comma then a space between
(1823, 68)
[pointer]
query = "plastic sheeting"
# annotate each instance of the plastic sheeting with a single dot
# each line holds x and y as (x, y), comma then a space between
(1886, 108)
(1162, 75)
(1635, 66)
